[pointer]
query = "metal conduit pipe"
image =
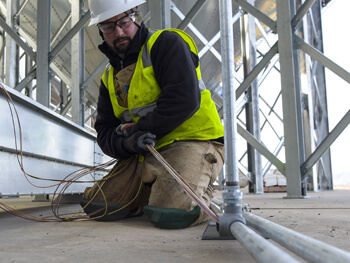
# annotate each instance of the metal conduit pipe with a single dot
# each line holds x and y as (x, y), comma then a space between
(232, 195)
(228, 69)
(306, 247)
(216, 209)
(258, 247)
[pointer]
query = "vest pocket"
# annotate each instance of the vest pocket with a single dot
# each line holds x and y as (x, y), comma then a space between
(122, 83)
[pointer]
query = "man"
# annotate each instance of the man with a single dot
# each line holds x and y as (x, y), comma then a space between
(152, 93)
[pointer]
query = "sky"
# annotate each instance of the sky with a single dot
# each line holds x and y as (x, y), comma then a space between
(336, 39)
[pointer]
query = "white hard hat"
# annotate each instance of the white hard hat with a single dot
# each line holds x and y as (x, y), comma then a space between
(102, 10)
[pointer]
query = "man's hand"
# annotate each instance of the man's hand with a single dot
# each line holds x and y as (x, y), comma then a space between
(137, 142)
(126, 130)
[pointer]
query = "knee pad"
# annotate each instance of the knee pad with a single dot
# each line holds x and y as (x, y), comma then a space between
(171, 218)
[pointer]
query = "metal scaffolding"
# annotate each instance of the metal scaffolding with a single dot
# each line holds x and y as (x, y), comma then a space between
(49, 55)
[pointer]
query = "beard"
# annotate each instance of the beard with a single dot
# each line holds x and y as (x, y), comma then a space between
(121, 44)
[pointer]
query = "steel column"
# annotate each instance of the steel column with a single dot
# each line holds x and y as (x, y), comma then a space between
(290, 97)
(160, 16)
(2, 57)
(77, 72)
(11, 48)
(248, 47)
(42, 60)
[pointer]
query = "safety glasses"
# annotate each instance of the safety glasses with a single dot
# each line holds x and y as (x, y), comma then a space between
(124, 22)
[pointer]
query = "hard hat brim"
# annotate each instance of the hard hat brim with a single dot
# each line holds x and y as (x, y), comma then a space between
(114, 12)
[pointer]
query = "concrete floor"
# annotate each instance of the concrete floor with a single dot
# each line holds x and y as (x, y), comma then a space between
(324, 216)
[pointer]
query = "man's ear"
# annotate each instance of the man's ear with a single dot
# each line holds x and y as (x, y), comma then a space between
(138, 16)
(101, 34)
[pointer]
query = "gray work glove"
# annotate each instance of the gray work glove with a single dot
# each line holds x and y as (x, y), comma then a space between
(136, 143)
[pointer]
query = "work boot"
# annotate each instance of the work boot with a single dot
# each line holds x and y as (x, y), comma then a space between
(118, 195)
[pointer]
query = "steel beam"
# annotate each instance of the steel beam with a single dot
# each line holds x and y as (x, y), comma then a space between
(314, 53)
(325, 144)
(68, 37)
(192, 13)
(210, 44)
(196, 32)
(262, 149)
(257, 13)
(12, 33)
(256, 70)
(93, 75)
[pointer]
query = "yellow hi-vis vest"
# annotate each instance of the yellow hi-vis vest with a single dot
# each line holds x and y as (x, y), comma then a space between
(144, 91)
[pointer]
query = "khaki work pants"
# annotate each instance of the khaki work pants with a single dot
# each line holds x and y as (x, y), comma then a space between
(197, 162)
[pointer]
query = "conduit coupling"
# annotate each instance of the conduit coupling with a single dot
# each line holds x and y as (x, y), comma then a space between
(232, 207)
